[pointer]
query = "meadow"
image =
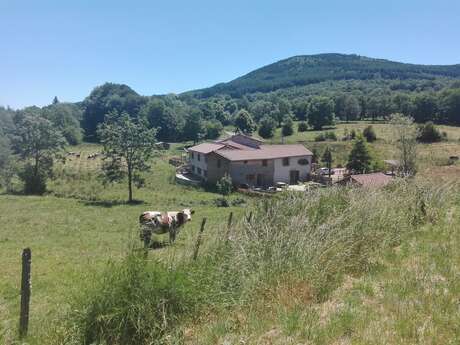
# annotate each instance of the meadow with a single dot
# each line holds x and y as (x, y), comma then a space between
(81, 225)
(274, 294)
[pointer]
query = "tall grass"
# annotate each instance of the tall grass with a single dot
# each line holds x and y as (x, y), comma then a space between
(296, 244)
(321, 236)
(132, 302)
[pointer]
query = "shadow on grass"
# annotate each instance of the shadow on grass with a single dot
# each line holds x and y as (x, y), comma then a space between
(112, 203)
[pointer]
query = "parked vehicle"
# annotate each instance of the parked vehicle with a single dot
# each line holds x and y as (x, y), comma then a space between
(325, 171)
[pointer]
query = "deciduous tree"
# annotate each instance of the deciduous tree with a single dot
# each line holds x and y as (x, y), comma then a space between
(127, 147)
(38, 143)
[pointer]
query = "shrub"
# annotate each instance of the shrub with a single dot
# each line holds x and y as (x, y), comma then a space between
(369, 134)
(428, 133)
(34, 179)
(221, 202)
(331, 136)
(302, 126)
(238, 202)
(224, 186)
(320, 137)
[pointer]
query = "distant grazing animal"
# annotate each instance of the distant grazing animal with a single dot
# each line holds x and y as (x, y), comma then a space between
(156, 222)
(93, 155)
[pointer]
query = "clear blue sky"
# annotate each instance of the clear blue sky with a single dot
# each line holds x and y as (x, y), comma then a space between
(67, 47)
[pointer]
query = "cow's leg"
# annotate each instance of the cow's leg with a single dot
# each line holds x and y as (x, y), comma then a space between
(147, 237)
(172, 234)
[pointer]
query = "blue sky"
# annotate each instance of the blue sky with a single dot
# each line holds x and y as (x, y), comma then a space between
(66, 48)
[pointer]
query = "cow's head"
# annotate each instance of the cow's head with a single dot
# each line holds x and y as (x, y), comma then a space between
(184, 216)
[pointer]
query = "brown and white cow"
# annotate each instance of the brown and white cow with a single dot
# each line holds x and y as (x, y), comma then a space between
(156, 222)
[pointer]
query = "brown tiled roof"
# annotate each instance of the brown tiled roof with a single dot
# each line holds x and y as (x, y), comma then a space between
(260, 141)
(206, 148)
(265, 152)
(371, 180)
(236, 145)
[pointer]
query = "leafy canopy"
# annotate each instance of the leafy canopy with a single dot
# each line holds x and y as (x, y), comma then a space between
(37, 142)
(127, 147)
(360, 159)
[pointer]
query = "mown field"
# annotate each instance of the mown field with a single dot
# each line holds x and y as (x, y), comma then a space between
(81, 225)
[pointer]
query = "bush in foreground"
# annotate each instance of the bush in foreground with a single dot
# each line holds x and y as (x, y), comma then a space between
(132, 302)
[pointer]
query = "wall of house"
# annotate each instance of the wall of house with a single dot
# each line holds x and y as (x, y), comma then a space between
(202, 164)
(216, 172)
(246, 173)
(282, 173)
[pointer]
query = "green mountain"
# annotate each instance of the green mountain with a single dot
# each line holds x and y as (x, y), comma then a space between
(310, 69)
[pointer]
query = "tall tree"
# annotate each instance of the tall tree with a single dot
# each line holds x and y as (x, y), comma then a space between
(127, 147)
(164, 118)
(359, 160)
(347, 107)
(244, 122)
(6, 162)
(194, 127)
(450, 106)
(321, 112)
(267, 127)
(288, 126)
(327, 159)
(38, 144)
(104, 99)
(425, 108)
(66, 118)
(405, 140)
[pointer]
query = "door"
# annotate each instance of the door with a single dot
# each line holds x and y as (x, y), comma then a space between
(260, 180)
(293, 176)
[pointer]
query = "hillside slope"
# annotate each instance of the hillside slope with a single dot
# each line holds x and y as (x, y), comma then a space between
(310, 69)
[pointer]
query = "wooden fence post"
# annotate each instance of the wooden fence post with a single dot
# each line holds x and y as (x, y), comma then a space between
(229, 226)
(198, 240)
(249, 218)
(25, 292)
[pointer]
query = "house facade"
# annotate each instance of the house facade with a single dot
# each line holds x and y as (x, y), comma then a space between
(250, 162)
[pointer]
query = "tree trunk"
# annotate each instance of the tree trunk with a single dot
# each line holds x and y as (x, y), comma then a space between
(130, 184)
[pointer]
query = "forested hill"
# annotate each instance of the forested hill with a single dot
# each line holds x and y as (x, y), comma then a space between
(310, 69)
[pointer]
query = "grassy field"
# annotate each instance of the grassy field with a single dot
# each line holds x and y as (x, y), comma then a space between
(429, 154)
(80, 225)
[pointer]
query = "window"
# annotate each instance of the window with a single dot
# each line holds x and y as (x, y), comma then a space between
(245, 162)
(199, 157)
(219, 163)
(250, 177)
(193, 168)
(264, 162)
(199, 171)
(193, 156)
(286, 161)
(205, 173)
(205, 159)
(302, 161)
